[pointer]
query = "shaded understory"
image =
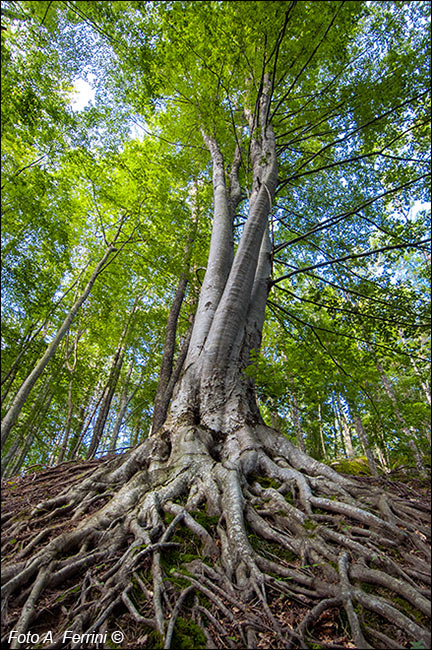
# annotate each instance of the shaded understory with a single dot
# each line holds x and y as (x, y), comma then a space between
(186, 544)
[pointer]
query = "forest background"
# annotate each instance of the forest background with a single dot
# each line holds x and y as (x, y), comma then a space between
(107, 213)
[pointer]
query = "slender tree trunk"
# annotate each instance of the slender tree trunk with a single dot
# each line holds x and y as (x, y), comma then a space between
(107, 396)
(124, 401)
(27, 425)
(27, 340)
(321, 432)
(339, 437)
(382, 455)
(64, 442)
(408, 431)
(166, 384)
(364, 441)
(27, 443)
(20, 398)
(11, 453)
(97, 400)
(111, 384)
(345, 429)
(423, 382)
(71, 368)
(296, 419)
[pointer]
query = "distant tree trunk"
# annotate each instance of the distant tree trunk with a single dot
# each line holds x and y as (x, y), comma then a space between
(364, 441)
(383, 457)
(11, 453)
(345, 429)
(124, 401)
(111, 384)
(71, 367)
(321, 432)
(296, 419)
(106, 400)
(9, 376)
(45, 404)
(423, 382)
(408, 431)
(135, 437)
(341, 428)
(77, 429)
(20, 398)
(166, 380)
(26, 426)
(97, 398)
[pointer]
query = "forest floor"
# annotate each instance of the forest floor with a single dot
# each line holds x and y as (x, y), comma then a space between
(21, 494)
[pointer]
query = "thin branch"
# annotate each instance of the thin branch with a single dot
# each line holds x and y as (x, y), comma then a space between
(332, 221)
(355, 313)
(334, 361)
(283, 98)
(352, 257)
(347, 336)
(347, 136)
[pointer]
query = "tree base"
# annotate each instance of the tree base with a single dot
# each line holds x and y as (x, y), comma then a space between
(187, 541)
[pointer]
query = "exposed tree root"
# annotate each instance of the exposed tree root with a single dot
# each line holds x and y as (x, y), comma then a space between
(250, 543)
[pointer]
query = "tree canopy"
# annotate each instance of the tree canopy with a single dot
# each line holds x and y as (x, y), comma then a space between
(350, 267)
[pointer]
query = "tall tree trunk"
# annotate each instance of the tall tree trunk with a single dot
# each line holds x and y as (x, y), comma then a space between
(296, 418)
(124, 401)
(45, 404)
(408, 431)
(111, 384)
(106, 400)
(27, 425)
(166, 381)
(20, 398)
(77, 428)
(230, 314)
(423, 382)
(97, 399)
(71, 367)
(346, 433)
(364, 441)
(321, 432)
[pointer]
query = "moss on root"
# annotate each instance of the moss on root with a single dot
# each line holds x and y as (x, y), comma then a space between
(355, 466)
(187, 634)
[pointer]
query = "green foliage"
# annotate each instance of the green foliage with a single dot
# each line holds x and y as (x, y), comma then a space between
(349, 112)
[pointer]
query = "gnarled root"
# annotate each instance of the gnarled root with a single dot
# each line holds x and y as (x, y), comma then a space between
(257, 545)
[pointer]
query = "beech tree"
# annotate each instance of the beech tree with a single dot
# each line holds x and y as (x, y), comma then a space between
(308, 122)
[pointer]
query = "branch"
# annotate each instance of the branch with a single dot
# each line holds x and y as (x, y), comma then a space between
(352, 257)
(332, 221)
(283, 98)
(347, 336)
(355, 313)
(338, 141)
